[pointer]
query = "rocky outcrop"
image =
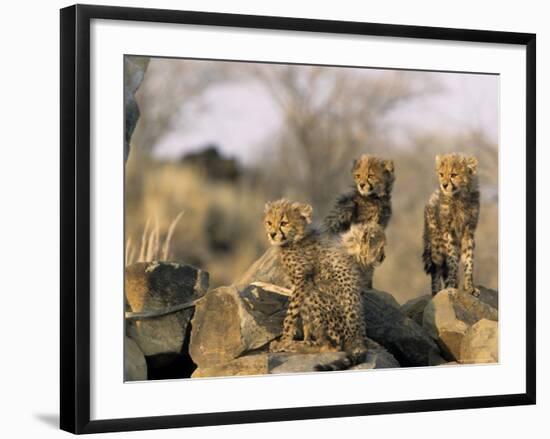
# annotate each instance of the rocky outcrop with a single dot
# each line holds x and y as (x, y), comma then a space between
(233, 326)
(135, 366)
(407, 341)
(480, 343)
(255, 364)
(229, 322)
(414, 308)
(284, 363)
(153, 292)
(449, 315)
(135, 68)
(266, 269)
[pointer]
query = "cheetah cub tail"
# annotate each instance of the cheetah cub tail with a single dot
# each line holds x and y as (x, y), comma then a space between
(352, 358)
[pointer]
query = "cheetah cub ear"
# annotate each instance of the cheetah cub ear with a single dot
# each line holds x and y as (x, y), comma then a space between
(388, 165)
(267, 206)
(304, 209)
(471, 163)
(438, 160)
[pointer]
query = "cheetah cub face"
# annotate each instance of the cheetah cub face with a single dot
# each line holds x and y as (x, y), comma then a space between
(366, 243)
(455, 172)
(373, 176)
(286, 222)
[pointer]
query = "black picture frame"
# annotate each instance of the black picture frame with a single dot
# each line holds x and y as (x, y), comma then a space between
(75, 217)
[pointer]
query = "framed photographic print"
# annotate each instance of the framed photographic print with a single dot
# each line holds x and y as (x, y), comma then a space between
(274, 218)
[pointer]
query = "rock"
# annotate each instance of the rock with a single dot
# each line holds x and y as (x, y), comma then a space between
(480, 343)
(156, 286)
(377, 358)
(414, 308)
(449, 314)
(266, 269)
(135, 366)
(490, 297)
(407, 341)
(249, 365)
(279, 363)
(386, 298)
(228, 323)
(300, 363)
(135, 68)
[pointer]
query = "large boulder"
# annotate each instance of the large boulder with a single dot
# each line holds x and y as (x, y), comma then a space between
(135, 366)
(414, 308)
(249, 365)
(407, 341)
(229, 322)
(152, 290)
(135, 68)
(480, 343)
(285, 363)
(378, 357)
(266, 269)
(450, 313)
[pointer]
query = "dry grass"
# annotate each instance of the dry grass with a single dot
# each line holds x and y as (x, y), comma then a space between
(219, 231)
(150, 247)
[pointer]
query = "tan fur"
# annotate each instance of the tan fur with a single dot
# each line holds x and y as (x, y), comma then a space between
(450, 221)
(369, 202)
(326, 284)
(366, 243)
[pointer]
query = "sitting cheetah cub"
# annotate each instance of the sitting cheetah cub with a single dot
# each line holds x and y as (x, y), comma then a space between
(326, 284)
(450, 221)
(369, 202)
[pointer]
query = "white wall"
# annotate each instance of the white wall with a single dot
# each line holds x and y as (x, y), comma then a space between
(30, 204)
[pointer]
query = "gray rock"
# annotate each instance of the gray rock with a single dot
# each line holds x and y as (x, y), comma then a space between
(414, 308)
(135, 68)
(448, 316)
(228, 323)
(377, 358)
(407, 341)
(299, 363)
(480, 343)
(151, 287)
(135, 366)
(286, 363)
(490, 297)
(387, 298)
(266, 269)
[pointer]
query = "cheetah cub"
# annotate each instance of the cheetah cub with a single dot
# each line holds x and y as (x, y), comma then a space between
(369, 202)
(326, 284)
(366, 244)
(450, 221)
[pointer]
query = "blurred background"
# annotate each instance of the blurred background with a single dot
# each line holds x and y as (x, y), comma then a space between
(216, 140)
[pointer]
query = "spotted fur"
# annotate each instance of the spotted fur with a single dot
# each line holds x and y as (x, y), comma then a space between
(369, 202)
(326, 285)
(450, 221)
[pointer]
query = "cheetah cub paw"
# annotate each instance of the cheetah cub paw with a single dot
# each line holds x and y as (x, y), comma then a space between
(281, 345)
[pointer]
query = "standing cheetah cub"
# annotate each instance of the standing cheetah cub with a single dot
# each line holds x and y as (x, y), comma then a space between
(450, 221)
(369, 202)
(326, 283)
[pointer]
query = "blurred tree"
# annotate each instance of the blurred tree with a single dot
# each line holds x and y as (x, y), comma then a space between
(330, 116)
(168, 84)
